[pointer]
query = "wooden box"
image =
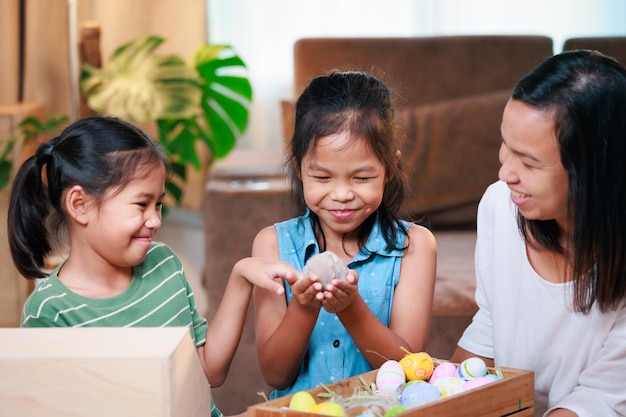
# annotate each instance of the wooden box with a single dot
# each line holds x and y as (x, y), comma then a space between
(101, 372)
(511, 396)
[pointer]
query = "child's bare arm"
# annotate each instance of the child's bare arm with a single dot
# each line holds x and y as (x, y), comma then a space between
(283, 331)
(411, 311)
(225, 329)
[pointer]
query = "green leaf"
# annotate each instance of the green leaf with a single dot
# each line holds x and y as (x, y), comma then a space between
(31, 127)
(28, 129)
(5, 173)
(226, 98)
(205, 101)
(179, 170)
(139, 86)
(179, 138)
(175, 191)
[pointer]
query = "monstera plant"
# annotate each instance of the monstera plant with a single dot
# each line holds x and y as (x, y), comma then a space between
(204, 101)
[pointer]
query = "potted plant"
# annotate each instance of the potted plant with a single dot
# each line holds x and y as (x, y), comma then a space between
(197, 106)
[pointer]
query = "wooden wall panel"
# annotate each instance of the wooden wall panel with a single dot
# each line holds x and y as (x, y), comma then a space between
(9, 50)
(47, 74)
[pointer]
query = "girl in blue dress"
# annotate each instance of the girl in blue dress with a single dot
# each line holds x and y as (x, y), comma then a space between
(345, 169)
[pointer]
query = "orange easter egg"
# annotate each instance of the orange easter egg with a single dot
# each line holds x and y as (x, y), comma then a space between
(417, 366)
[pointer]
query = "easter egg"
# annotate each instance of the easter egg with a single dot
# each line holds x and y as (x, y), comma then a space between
(472, 368)
(415, 395)
(478, 382)
(449, 385)
(395, 410)
(417, 366)
(389, 377)
(302, 401)
(328, 409)
(443, 369)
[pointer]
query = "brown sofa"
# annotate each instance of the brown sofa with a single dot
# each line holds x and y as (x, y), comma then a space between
(450, 92)
(614, 46)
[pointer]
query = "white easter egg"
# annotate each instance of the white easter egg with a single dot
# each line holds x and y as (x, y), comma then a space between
(472, 368)
(449, 385)
(389, 377)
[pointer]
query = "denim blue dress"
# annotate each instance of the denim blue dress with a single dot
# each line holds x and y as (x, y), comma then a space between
(332, 354)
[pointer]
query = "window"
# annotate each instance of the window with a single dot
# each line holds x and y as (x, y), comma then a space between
(263, 33)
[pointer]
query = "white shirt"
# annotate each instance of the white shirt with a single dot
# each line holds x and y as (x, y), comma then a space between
(526, 322)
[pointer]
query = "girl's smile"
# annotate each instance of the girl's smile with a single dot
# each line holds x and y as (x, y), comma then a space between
(343, 182)
(342, 214)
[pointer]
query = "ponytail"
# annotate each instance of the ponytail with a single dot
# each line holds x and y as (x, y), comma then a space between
(29, 206)
(97, 153)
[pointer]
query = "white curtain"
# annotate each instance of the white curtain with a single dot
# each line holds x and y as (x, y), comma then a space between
(263, 33)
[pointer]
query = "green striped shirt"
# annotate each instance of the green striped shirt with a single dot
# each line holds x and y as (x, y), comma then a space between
(159, 295)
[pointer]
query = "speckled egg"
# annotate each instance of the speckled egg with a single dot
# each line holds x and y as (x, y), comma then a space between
(417, 366)
(449, 385)
(472, 368)
(417, 394)
(390, 377)
(443, 369)
(327, 266)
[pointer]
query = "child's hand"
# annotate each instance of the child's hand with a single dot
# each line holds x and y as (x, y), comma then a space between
(307, 291)
(340, 293)
(267, 273)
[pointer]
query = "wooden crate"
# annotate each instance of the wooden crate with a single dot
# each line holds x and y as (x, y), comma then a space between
(511, 396)
(95, 372)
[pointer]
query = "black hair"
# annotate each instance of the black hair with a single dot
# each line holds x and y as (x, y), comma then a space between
(97, 153)
(586, 92)
(360, 104)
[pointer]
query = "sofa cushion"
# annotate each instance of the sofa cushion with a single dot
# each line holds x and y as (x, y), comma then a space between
(450, 154)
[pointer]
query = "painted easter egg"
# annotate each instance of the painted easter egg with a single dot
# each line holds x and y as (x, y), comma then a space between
(449, 385)
(302, 401)
(472, 368)
(395, 410)
(416, 394)
(328, 409)
(417, 366)
(443, 369)
(390, 377)
(478, 382)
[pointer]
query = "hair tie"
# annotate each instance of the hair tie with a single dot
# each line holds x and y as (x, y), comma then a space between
(44, 153)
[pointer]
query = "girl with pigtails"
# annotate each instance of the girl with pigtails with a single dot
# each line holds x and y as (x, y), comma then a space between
(97, 190)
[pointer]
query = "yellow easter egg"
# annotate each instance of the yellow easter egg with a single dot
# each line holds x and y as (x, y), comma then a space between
(302, 401)
(417, 366)
(329, 409)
